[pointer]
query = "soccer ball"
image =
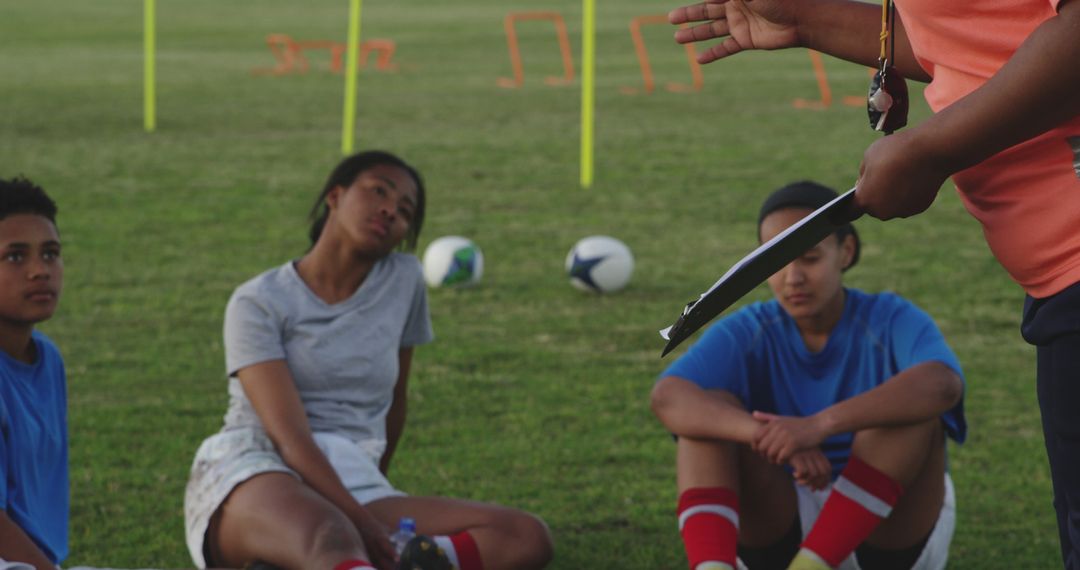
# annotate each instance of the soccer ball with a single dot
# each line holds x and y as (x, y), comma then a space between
(599, 263)
(453, 261)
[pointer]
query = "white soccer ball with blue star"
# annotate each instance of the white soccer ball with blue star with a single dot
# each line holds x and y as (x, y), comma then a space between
(453, 261)
(601, 264)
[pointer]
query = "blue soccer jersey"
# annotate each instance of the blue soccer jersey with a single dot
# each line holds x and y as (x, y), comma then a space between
(34, 447)
(758, 355)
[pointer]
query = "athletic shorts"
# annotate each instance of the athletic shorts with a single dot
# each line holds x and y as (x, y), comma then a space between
(934, 555)
(229, 458)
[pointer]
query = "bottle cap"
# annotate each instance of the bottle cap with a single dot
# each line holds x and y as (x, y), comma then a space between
(407, 523)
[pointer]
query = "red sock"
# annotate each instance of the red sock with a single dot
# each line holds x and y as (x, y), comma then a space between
(461, 550)
(709, 524)
(860, 499)
(353, 565)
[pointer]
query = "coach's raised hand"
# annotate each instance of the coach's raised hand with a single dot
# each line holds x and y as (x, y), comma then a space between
(742, 25)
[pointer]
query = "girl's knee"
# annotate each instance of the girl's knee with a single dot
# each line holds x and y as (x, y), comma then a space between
(532, 539)
(332, 536)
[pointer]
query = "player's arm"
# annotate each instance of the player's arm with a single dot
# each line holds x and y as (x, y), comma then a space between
(395, 417)
(16, 546)
(917, 394)
(270, 388)
(845, 29)
(687, 410)
(1033, 92)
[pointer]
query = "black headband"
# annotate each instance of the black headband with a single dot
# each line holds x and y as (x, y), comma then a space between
(811, 196)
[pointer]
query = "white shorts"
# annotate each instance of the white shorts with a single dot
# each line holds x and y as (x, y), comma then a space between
(229, 458)
(934, 555)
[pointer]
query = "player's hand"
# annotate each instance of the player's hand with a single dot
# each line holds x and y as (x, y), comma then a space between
(780, 437)
(742, 25)
(811, 468)
(376, 541)
(899, 176)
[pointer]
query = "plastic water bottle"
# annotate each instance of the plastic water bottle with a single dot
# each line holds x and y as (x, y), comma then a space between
(406, 530)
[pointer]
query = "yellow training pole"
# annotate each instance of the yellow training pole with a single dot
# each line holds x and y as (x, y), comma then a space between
(149, 113)
(588, 99)
(353, 44)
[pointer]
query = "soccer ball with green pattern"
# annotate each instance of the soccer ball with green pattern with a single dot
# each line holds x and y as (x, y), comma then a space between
(453, 261)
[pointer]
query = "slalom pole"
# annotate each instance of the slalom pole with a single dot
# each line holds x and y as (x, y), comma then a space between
(588, 94)
(348, 127)
(149, 97)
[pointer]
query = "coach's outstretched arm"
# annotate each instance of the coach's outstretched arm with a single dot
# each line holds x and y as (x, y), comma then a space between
(841, 28)
(917, 394)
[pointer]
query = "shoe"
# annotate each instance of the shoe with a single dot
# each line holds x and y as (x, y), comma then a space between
(421, 553)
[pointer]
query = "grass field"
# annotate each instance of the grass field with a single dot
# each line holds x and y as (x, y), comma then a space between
(534, 394)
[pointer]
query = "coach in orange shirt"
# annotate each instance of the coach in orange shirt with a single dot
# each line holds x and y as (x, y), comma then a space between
(1004, 83)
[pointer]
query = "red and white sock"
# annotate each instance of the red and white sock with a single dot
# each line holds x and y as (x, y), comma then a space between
(860, 499)
(354, 565)
(461, 550)
(709, 525)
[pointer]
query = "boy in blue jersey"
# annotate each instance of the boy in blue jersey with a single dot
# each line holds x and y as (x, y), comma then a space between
(811, 428)
(33, 400)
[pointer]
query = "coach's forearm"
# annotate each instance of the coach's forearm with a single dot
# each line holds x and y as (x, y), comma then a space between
(920, 393)
(1036, 90)
(850, 30)
(687, 410)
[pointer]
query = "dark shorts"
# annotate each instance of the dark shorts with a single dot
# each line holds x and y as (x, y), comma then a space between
(1052, 324)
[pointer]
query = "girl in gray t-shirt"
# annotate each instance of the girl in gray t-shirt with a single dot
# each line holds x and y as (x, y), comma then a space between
(318, 353)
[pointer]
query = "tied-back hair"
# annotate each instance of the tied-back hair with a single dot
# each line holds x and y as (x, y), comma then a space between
(810, 195)
(21, 196)
(346, 172)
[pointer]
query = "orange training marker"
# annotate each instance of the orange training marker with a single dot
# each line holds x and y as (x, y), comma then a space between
(515, 52)
(646, 68)
(823, 88)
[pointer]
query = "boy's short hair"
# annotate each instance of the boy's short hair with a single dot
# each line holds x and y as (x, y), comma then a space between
(21, 196)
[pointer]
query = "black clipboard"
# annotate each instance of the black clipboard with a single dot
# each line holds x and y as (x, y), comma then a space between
(758, 266)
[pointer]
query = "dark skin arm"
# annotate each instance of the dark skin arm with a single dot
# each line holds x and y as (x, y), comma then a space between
(688, 411)
(395, 417)
(841, 28)
(16, 546)
(270, 388)
(1033, 92)
(917, 394)
(901, 174)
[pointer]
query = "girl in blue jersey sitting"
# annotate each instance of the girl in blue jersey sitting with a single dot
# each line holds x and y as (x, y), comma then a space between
(811, 428)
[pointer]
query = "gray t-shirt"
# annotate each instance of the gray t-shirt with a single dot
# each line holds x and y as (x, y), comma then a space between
(343, 357)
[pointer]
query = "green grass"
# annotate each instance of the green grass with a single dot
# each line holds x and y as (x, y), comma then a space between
(534, 394)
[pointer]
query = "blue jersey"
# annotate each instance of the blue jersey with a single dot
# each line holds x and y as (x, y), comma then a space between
(34, 447)
(758, 355)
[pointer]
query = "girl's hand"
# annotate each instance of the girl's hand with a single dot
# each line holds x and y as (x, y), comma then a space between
(780, 437)
(812, 469)
(377, 541)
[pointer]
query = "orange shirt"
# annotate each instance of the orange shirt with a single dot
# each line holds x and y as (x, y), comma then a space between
(1027, 197)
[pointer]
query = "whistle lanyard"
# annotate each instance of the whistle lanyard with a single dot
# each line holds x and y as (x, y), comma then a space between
(888, 43)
